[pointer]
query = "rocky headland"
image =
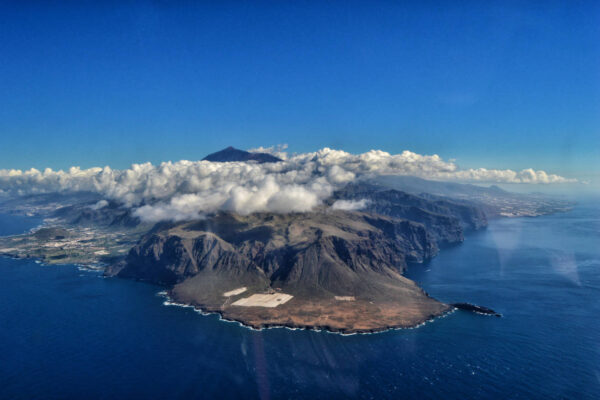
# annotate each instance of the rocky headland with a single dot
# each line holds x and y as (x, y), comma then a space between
(343, 270)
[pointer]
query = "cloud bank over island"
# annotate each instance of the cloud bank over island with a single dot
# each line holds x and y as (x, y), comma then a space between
(189, 189)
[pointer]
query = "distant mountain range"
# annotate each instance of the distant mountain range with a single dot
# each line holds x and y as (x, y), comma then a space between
(444, 218)
(231, 154)
(414, 185)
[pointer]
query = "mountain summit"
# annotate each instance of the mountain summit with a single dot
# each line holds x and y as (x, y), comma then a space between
(232, 154)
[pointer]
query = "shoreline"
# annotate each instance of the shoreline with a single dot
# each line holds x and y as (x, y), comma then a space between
(169, 302)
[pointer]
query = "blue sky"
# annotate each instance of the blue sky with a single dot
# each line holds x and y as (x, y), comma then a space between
(508, 85)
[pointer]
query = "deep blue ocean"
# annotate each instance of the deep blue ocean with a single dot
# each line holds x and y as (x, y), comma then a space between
(71, 334)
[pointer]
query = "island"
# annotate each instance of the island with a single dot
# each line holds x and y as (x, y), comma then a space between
(337, 267)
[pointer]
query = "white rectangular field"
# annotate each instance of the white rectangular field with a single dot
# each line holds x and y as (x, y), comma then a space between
(234, 292)
(264, 300)
(345, 298)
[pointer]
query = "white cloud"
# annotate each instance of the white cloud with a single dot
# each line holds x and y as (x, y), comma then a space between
(349, 205)
(189, 189)
(100, 204)
(277, 150)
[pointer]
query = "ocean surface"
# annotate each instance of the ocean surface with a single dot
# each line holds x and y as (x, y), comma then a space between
(69, 333)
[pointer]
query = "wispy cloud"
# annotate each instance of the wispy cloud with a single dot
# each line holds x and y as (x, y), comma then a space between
(349, 205)
(277, 150)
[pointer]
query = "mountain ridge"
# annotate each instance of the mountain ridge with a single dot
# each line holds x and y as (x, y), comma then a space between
(231, 154)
